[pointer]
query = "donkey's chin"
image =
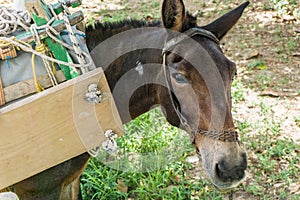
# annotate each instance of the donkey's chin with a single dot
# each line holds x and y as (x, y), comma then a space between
(224, 186)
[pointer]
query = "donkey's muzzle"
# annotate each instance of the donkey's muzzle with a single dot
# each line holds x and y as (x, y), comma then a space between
(228, 173)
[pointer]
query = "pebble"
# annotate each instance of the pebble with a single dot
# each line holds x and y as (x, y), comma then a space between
(8, 196)
(192, 159)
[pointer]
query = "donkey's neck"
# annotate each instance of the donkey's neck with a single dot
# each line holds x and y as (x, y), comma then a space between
(131, 57)
(133, 82)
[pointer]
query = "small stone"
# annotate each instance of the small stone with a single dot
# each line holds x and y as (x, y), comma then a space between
(192, 159)
(8, 196)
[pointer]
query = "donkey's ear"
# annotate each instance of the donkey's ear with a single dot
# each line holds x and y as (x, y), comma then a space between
(173, 14)
(222, 25)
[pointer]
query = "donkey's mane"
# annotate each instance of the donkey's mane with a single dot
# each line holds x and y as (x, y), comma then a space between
(108, 29)
(98, 31)
(127, 23)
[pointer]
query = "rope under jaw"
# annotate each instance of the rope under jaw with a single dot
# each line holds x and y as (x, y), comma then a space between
(223, 135)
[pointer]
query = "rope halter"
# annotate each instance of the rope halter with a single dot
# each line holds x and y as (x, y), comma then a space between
(221, 135)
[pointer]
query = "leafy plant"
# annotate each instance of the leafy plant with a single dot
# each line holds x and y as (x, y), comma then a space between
(257, 64)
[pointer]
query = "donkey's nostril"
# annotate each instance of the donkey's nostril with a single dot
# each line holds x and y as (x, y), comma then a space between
(227, 175)
(222, 166)
(221, 173)
(240, 173)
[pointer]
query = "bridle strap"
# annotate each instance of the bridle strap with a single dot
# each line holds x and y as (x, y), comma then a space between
(189, 34)
(223, 135)
(167, 75)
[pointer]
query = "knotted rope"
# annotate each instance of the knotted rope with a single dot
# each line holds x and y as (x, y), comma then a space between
(41, 48)
(11, 20)
(75, 43)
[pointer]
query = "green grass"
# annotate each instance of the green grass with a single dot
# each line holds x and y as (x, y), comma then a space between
(292, 44)
(166, 175)
(237, 91)
(156, 170)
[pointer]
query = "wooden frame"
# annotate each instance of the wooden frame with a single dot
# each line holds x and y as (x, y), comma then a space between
(50, 127)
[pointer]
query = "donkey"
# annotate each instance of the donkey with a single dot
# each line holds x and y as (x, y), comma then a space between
(177, 65)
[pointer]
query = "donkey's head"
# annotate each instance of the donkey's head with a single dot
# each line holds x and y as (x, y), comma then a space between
(198, 85)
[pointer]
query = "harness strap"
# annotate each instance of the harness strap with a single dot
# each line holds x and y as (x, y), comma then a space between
(222, 135)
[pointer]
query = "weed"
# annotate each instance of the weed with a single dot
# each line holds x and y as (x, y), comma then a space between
(243, 127)
(203, 4)
(263, 81)
(283, 81)
(279, 49)
(284, 58)
(257, 64)
(292, 44)
(267, 7)
(237, 92)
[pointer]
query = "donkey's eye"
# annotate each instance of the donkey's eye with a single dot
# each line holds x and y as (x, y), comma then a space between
(174, 58)
(179, 78)
(177, 59)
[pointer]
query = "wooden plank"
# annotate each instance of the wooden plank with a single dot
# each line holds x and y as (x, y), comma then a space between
(55, 125)
(27, 87)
